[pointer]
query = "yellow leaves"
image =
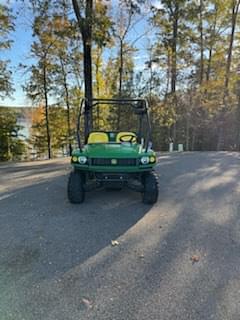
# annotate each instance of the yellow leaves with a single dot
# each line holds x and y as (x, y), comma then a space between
(165, 113)
(47, 38)
(5, 20)
(211, 94)
(37, 115)
(60, 23)
(53, 33)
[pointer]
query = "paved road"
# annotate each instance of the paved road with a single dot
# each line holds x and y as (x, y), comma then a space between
(179, 259)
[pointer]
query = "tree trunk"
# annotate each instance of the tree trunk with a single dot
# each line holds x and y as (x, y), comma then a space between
(174, 67)
(201, 43)
(88, 86)
(187, 132)
(188, 114)
(85, 26)
(168, 73)
(46, 111)
(193, 139)
(97, 76)
(120, 69)
(235, 8)
(238, 120)
(212, 38)
(220, 141)
(68, 106)
(174, 50)
(151, 76)
(209, 64)
(120, 83)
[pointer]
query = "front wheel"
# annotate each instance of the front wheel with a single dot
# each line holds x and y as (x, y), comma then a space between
(150, 191)
(76, 193)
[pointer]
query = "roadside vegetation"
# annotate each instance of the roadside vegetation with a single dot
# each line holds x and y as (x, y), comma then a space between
(189, 71)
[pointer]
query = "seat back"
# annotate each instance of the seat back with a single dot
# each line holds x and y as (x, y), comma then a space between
(122, 134)
(98, 137)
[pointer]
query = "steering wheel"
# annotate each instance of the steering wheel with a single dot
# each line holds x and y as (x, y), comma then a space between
(131, 137)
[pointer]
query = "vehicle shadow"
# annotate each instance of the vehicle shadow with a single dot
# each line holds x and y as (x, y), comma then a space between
(42, 235)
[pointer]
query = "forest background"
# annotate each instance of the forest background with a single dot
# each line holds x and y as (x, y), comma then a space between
(181, 55)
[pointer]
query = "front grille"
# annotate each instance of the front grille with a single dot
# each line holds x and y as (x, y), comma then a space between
(113, 162)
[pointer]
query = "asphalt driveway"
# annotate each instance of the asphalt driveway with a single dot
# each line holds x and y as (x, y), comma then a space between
(179, 259)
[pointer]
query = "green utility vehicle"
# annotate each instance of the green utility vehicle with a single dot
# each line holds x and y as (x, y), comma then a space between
(114, 159)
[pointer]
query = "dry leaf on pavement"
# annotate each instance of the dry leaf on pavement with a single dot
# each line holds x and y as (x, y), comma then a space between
(87, 303)
(195, 258)
(114, 243)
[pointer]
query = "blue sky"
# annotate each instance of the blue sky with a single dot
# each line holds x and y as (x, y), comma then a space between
(19, 52)
(22, 39)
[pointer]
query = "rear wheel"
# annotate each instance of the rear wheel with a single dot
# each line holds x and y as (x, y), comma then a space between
(150, 192)
(76, 193)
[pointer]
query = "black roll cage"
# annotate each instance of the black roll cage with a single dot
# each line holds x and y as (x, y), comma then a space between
(140, 107)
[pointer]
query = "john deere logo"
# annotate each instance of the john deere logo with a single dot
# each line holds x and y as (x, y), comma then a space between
(114, 161)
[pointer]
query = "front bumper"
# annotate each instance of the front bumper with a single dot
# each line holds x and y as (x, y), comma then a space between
(132, 169)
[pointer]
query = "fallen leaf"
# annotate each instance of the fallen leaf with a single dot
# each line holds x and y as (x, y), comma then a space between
(195, 258)
(87, 303)
(114, 243)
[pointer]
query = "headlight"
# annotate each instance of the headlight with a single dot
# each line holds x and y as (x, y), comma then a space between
(82, 159)
(144, 160)
(152, 159)
(74, 159)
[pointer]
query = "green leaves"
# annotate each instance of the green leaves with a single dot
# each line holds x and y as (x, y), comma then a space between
(6, 26)
(11, 147)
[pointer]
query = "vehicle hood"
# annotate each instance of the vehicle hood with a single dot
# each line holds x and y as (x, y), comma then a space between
(112, 150)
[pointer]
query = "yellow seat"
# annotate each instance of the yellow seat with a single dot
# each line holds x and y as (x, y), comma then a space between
(128, 135)
(98, 137)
